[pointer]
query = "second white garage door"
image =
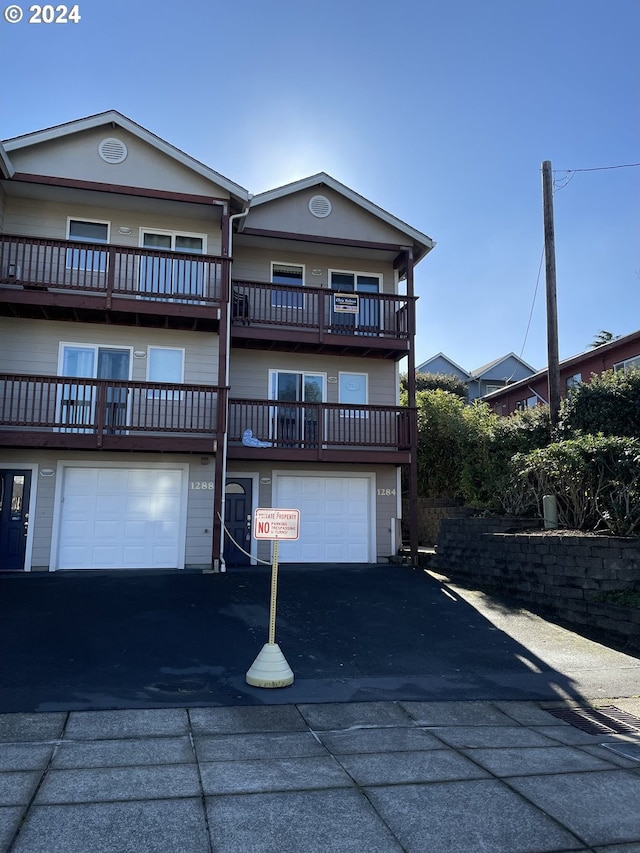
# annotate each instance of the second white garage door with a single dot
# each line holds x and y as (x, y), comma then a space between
(121, 518)
(335, 518)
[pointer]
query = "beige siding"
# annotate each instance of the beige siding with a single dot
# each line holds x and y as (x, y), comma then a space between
(255, 265)
(43, 218)
(346, 220)
(3, 205)
(77, 157)
(32, 347)
(249, 374)
(199, 501)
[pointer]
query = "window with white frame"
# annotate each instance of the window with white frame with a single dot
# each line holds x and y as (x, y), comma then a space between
(573, 381)
(291, 275)
(87, 231)
(353, 390)
(293, 423)
(628, 364)
(363, 317)
(529, 403)
(77, 400)
(491, 388)
(172, 276)
(165, 364)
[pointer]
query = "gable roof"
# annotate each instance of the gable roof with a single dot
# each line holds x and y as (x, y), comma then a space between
(422, 241)
(114, 117)
(480, 371)
(447, 359)
(6, 169)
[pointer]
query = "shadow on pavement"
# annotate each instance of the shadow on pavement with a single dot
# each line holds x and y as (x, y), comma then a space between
(80, 641)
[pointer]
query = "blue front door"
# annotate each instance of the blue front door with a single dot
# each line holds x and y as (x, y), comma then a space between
(15, 488)
(237, 521)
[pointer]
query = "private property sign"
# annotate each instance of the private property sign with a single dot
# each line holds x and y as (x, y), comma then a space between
(276, 524)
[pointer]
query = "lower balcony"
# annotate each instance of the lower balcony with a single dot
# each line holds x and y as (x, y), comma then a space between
(328, 432)
(89, 414)
(105, 414)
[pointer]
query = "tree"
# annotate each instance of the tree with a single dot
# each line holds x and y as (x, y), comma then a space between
(603, 337)
(609, 404)
(441, 440)
(435, 381)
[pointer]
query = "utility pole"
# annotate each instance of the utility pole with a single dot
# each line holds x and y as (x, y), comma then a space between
(552, 305)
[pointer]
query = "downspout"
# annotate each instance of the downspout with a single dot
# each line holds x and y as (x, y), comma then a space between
(411, 389)
(225, 440)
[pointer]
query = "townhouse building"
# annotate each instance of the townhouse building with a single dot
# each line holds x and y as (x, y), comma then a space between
(175, 353)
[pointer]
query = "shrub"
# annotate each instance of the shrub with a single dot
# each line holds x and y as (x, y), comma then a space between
(487, 474)
(595, 479)
(608, 404)
(465, 451)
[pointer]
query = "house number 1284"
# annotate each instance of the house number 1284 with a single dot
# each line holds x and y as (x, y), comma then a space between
(386, 492)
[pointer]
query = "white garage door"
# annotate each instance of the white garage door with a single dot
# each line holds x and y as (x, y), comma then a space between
(335, 520)
(121, 518)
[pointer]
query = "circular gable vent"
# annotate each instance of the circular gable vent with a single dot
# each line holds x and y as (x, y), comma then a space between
(112, 150)
(320, 206)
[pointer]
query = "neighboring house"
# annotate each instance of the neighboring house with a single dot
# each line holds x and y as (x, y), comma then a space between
(174, 352)
(619, 354)
(482, 380)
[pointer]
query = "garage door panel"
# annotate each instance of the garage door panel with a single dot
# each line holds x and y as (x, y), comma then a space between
(120, 518)
(335, 523)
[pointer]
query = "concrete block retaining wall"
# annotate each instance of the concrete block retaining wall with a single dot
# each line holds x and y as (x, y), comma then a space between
(567, 574)
(431, 511)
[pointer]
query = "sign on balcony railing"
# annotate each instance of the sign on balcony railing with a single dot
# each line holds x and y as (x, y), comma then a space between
(346, 303)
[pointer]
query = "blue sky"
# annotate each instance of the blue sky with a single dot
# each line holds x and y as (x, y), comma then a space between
(440, 112)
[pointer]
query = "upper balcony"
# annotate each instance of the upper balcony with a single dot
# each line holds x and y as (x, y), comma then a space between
(314, 319)
(97, 283)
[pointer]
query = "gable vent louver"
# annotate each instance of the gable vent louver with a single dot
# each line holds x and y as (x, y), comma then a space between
(320, 206)
(112, 150)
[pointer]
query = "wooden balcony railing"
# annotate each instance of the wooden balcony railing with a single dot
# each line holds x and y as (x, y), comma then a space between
(112, 271)
(68, 411)
(68, 408)
(304, 426)
(367, 315)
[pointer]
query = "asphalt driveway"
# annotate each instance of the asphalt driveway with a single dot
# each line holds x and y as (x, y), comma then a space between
(74, 641)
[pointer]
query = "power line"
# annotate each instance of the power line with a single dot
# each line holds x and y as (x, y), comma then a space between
(568, 176)
(600, 168)
(533, 303)
(561, 183)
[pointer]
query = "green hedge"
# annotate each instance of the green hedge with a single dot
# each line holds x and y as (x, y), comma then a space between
(595, 479)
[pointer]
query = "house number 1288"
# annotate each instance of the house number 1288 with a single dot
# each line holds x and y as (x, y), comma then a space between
(199, 486)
